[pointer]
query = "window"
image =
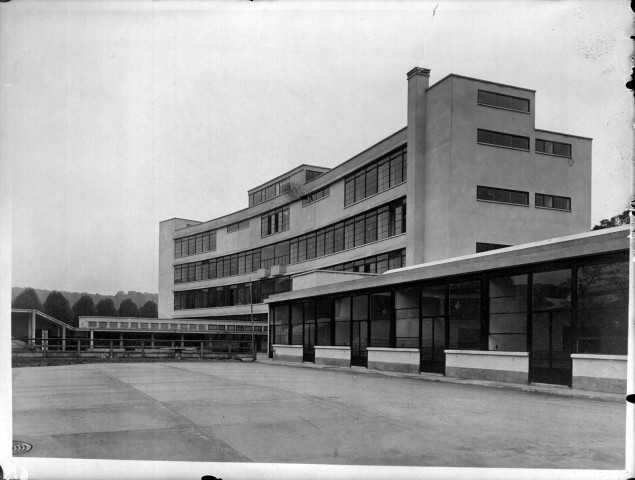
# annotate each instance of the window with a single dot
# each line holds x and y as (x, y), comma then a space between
(237, 226)
(281, 325)
(311, 174)
(465, 319)
(503, 101)
(407, 318)
(553, 201)
(553, 148)
(342, 321)
(502, 140)
(508, 313)
(602, 308)
(492, 194)
(275, 221)
(269, 192)
(388, 171)
(315, 196)
(195, 244)
(486, 247)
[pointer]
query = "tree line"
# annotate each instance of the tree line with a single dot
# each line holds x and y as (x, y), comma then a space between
(57, 305)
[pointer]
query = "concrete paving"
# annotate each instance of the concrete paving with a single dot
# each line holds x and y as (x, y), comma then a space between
(263, 412)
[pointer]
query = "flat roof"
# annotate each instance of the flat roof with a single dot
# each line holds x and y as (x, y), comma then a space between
(554, 249)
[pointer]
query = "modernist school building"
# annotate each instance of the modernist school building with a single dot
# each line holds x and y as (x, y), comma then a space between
(553, 312)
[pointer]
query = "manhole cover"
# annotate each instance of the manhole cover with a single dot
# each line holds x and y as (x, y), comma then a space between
(21, 447)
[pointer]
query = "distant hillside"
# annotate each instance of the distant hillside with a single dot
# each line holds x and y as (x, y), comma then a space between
(137, 297)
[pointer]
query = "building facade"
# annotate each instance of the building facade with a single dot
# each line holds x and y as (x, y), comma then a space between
(554, 311)
(469, 172)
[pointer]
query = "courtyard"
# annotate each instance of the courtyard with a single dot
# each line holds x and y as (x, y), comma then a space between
(275, 413)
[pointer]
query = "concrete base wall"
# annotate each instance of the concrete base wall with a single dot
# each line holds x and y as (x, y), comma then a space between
(599, 373)
(288, 353)
(335, 356)
(394, 359)
(509, 367)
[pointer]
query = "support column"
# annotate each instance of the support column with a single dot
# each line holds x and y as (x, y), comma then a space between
(63, 339)
(152, 340)
(92, 336)
(418, 82)
(182, 340)
(32, 329)
(121, 340)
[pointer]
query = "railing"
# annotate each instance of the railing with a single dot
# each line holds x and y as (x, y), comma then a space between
(137, 347)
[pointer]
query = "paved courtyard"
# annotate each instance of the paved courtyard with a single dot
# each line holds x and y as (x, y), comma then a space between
(261, 412)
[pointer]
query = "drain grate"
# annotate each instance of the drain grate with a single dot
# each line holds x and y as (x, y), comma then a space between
(21, 447)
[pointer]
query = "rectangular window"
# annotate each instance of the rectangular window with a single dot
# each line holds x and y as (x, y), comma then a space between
(194, 244)
(465, 319)
(407, 318)
(502, 195)
(503, 101)
(553, 148)
(508, 313)
(315, 196)
(237, 226)
(385, 172)
(324, 317)
(553, 201)
(343, 321)
(274, 221)
(602, 308)
(502, 139)
(269, 192)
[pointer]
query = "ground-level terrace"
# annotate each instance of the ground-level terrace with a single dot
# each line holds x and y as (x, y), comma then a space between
(551, 312)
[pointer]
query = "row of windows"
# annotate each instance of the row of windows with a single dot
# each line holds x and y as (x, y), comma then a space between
(377, 224)
(536, 311)
(553, 201)
(380, 175)
(315, 196)
(553, 148)
(503, 101)
(175, 326)
(274, 221)
(390, 220)
(522, 198)
(522, 143)
(502, 139)
(269, 192)
(375, 264)
(230, 295)
(234, 227)
(194, 244)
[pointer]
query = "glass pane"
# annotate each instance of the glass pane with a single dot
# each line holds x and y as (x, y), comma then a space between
(465, 298)
(433, 301)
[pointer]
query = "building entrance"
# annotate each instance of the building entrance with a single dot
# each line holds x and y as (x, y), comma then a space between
(432, 348)
(551, 348)
(359, 344)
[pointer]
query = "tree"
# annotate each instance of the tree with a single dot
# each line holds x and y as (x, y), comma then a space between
(128, 308)
(28, 299)
(57, 306)
(84, 307)
(149, 310)
(615, 221)
(106, 308)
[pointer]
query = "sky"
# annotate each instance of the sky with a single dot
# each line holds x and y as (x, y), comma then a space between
(117, 115)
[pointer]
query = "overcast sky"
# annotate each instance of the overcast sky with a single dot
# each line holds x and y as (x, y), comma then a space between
(117, 115)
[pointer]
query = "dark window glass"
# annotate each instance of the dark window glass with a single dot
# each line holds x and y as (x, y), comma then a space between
(281, 325)
(553, 148)
(508, 313)
(503, 101)
(553, 201)
(603, 308)
(297, 318)
(342, 321)
(465, 320)
(486, 247)
(502, 195)
(502, 139)
(407, 318)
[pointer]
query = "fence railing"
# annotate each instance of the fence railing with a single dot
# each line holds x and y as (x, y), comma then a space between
(135, 347)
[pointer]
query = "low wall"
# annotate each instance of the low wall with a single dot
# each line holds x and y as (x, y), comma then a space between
(287, 353)
(336, 356)
(600, 373)
(510, 367)
(394, 359)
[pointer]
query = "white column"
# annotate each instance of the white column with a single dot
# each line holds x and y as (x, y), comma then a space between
(121, 340)
(63, 338)
(91, 339)
(152, 340)
(182, 340)
(32, 330)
